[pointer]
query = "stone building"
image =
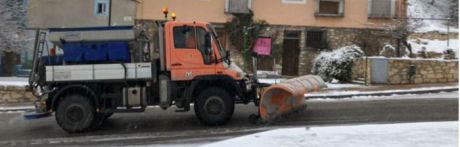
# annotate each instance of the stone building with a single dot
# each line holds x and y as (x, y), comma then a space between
(301, 28)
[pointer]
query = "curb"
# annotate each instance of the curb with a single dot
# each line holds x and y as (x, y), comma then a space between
(389, 93)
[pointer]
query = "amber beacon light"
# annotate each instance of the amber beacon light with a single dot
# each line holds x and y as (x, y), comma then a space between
(165, 12)
(173, 16)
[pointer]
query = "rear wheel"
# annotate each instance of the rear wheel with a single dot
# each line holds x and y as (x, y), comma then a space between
(214, 106)
(75, 113)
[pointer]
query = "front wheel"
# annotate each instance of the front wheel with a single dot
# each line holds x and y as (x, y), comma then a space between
(75, 113)
(214, 106)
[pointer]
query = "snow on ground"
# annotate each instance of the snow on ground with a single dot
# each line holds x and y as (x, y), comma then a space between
(441, 95)
(270, 81)
(438, 46)
(14, 81)
(340, 92)
(392, 135)
(423, 9)
(333, 85)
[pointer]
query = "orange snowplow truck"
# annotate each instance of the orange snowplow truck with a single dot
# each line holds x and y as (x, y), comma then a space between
(183, 63)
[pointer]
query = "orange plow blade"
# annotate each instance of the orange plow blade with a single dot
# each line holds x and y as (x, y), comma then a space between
(287, 96)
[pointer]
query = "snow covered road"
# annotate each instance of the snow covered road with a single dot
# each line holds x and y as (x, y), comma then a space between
(156, 127)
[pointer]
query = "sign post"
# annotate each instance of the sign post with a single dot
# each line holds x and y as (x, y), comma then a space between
(262, 47)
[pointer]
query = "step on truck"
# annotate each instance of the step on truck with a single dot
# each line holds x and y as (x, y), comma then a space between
(179, 64)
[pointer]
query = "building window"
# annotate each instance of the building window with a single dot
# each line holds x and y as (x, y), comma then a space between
(316, 39)
(238, 6)
(329, 7)
(381, 8)
(101, 7)
(294, 1)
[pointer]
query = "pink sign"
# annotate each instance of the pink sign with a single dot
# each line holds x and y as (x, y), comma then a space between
(263, 46)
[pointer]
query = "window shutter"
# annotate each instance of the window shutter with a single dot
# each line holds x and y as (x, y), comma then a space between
(393, 8)
(369, 7)
(381, 8)
(341, 7)
(226, 5)
(317, 6)
(237, 6)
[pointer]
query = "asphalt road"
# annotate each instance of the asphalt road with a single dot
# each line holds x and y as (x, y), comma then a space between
(156, 126)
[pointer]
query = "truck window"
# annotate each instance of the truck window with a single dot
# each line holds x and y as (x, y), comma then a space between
(184, 38)
(187, 37)
(101, 7)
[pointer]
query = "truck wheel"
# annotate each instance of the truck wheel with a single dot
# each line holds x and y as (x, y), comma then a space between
(214, 106)
(75, 113)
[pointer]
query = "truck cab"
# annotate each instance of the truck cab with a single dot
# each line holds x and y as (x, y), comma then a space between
(193, 50)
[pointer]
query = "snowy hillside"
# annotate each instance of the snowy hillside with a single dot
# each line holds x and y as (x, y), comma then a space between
(438, 46)
(424, 9)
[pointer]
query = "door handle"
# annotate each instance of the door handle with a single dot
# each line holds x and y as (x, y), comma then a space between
(176, 64)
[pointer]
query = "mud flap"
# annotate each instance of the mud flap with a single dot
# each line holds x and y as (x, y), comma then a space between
(287, 96)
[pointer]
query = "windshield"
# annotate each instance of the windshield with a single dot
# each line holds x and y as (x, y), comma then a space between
(222, 50)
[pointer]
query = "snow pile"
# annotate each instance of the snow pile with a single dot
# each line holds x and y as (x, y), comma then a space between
(270, 81)
(437, 46)
(267, 74)
(409, 134)
(424, 9)
(334, 84)
(336, 64)
(388, 51)
(330, 85)
(352, 93)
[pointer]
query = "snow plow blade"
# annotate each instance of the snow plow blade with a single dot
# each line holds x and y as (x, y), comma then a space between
(287, 96)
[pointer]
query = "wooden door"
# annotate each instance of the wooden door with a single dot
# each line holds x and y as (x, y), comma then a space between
(291, 51)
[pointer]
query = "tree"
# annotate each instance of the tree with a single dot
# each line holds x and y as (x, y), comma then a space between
(454, 12)
(12, 25)
(14, 37)
(243, 31)
(400, 30)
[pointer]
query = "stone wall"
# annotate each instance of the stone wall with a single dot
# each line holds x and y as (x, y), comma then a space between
(427, 71)
(434, 35)
(14, 94)
(358, 70)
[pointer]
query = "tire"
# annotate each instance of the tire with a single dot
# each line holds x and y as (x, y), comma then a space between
(214, 106)
(75, 113)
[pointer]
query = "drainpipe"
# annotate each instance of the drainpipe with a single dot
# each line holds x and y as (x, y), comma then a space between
(110, 13)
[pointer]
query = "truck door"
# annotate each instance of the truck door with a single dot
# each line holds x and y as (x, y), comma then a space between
(190, 54)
